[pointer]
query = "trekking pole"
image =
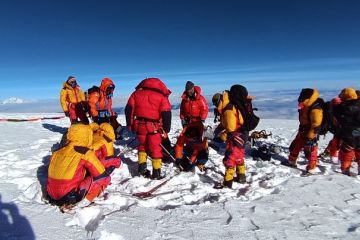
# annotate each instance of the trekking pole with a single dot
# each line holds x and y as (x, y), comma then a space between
(167, 152)
(126, 148)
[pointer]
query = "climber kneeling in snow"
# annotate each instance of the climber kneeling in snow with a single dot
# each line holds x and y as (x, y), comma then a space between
(75, 173)
(196, 151)
(103, 145)
(310, 117)
(233, 121)
(148, 113)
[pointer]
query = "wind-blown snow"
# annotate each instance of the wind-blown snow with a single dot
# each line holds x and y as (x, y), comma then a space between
(279, 204)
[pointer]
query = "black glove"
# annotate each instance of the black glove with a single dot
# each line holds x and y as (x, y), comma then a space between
(95, 119)
(85, 106)
(66, 113)
(109, 170)
(311, 143)
(184, 122)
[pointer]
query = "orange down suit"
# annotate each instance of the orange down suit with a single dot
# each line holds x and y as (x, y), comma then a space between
(195, 149)
(98, 101)
(310, 120)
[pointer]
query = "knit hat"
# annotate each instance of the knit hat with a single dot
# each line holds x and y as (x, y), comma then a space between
(189, 85)
(70, 77)
(216, 99)
(305, 93)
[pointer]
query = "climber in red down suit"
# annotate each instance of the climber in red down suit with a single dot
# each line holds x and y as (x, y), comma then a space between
(148, 113)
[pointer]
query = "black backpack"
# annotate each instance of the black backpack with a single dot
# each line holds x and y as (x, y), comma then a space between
(93, 89)
(250, 119)
(238, 96)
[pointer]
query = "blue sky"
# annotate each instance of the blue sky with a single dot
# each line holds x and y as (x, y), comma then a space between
(264, 45)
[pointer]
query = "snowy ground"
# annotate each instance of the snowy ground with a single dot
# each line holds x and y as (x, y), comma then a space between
(279, 204)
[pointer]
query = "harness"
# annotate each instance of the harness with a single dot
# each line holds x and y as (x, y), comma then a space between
(103, 113)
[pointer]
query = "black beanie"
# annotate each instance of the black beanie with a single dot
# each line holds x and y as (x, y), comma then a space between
(189, 85)
(216, 99)
(305, 93)
(70, 77)
(238, 93)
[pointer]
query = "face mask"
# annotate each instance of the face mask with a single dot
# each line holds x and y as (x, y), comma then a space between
(73, 84)
(109, 96)
(301, 105)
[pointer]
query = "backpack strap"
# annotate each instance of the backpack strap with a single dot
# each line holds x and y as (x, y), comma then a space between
(239, 110)
(318, 104)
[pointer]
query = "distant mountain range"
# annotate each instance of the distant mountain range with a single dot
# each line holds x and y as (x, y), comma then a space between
(13, 100)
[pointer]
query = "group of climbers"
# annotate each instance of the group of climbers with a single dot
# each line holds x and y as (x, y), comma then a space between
(343, 122)
(97, 103)
(81, 169)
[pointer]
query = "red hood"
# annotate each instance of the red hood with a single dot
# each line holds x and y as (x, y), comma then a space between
(105, 83)
(155, 84)
(197, 91)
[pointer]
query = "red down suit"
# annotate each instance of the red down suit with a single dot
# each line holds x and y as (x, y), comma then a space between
(195, 109)
(148, 113)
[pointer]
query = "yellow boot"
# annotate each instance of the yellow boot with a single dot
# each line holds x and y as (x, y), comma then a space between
(229, 177)
(240, 172)
(143, 171)
(156, 162)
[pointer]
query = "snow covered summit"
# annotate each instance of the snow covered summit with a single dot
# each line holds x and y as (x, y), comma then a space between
(278, 204)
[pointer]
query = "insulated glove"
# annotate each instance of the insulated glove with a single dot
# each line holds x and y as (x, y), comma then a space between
(66, 113)
(95, 118)
(184, 122)
(85, 106)
(311, 143)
